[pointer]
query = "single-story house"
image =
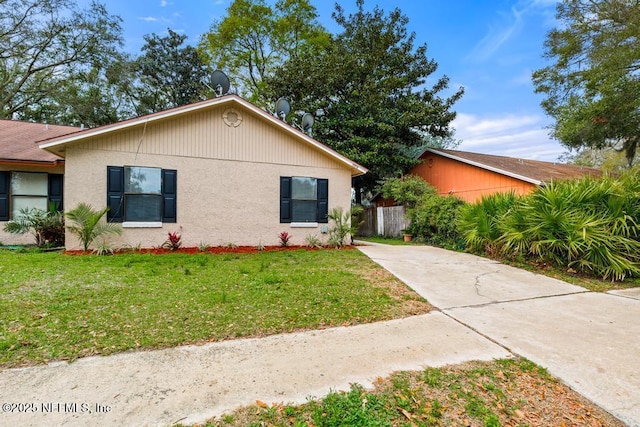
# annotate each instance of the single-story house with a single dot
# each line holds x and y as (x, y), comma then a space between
(29, 176)
(470, 176)
(221, 171)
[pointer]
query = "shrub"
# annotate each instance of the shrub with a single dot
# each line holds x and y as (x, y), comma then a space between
(407, 190)
(479, 222)
(587, 224)
(312, 241)
(434, 220)
(47, 227)
(590, 225)
(86, 224)
(173, 242)
(284, 238)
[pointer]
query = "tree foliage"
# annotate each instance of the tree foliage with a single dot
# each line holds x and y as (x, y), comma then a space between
(368, 89)
(44, 46)
(591, 88)
(169, 74)
(254, 38)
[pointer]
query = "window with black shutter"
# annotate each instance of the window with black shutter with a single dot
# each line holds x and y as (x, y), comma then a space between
(141, 194)
(29, 190)
(303, 199)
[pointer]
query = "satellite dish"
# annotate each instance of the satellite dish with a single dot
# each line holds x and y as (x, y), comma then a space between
(220, 83)
(282, 108)
(307, 122)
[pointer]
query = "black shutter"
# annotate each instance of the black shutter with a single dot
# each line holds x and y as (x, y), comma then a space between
(115, 193)
(285, 199)
(4, 195)
(55, 190)
(169, 187)
(323, 200)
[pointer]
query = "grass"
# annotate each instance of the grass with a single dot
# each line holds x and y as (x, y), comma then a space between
(398, 241)
(503, 392)
(55, 306)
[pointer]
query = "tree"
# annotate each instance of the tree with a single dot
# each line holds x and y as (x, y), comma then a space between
(169, 74)
(591, 88)
(368, 90)
(607, 158)
(253, 39)
(91, 97)
(45, 43)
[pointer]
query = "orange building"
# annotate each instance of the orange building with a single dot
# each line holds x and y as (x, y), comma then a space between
(470, 176)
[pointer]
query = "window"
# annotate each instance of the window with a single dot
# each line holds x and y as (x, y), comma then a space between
(141, 194)
(27, 190)
(303, 199)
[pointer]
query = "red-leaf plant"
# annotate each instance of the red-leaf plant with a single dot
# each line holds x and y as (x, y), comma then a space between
(284, 238)
(174, 241)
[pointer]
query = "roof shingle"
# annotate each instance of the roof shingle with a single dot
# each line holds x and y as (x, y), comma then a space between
(18, 141)
(532, 170)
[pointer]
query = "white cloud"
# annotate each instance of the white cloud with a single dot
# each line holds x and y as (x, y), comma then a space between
(497, 36)
(164, 3)
(509, 25)
(507, 135)
(156, 19)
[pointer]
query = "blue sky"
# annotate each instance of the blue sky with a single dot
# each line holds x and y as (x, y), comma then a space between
(490, 47)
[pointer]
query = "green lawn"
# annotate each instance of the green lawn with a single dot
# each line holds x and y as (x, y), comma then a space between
(57, 306)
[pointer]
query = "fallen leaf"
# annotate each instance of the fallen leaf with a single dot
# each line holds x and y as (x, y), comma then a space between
(261, 404)
(406, 414)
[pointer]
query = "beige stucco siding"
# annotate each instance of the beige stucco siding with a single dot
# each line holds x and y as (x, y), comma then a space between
(228, 177)
(24, 239)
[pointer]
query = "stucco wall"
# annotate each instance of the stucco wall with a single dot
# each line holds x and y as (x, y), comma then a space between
(23, 239)
(225, 194)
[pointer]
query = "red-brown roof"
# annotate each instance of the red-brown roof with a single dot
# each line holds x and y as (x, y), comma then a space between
(534, 171)
(18, 141)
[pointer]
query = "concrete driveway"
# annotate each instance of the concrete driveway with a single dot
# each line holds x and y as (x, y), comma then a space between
(588, 340)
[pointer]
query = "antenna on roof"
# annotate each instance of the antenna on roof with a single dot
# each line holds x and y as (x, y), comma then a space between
(220, 83)
(282, 108)
(307, 123)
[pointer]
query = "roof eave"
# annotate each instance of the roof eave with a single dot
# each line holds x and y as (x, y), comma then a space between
(44, 163)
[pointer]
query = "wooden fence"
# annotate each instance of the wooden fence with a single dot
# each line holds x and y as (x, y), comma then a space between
(388, 222)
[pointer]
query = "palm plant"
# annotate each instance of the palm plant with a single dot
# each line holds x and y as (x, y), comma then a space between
(47, 227)
(86, 224)
(479, 223)
(583, 224)
(344, 224)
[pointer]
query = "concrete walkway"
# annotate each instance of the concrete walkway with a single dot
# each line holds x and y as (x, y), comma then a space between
(588, 340)
(488, 311)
